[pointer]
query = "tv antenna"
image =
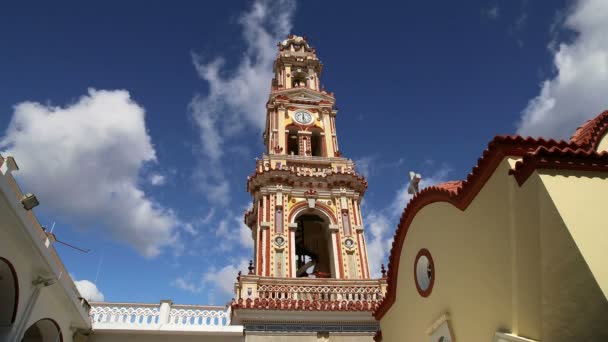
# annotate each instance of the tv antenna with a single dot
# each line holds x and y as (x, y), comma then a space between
(53, 238)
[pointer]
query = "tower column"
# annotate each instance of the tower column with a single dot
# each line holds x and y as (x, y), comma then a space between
(329, 149)
(265, 226)
(333, 231)
(292, 249)
(282, 141)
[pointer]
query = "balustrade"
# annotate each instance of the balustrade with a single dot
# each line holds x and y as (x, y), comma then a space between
(166, 316)
(309, 294)
(321, 292)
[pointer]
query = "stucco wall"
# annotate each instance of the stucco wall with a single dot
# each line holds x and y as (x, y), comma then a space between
(309, 338)
(281, 338)
(472, 269)
(52, 302)
(518, 259)
(157, 337)
(574, 242)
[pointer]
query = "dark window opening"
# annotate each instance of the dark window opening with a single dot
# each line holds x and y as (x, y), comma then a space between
(316, 144)
(293, 147)
(299, 80)
(313, 248)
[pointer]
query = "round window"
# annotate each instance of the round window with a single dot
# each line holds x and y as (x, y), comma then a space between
(424, 272)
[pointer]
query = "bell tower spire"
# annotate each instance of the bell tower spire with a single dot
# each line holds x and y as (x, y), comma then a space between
(311, 129)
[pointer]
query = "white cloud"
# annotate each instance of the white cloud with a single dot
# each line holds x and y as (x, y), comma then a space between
(237, 100)
(245, 238)
(157, 179)
(187, 285)
(578, 90)
(231, 232)
(381, 224)
(377, 237)
(74, 159)
(89, 291)
(225, 278)
(364, 165)
(189, 228)
(492, 13)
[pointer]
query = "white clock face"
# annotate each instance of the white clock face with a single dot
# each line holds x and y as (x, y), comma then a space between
(303, 118)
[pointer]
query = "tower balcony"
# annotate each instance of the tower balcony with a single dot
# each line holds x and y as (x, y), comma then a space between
(306, 165)
(308, 294)
(290, 170)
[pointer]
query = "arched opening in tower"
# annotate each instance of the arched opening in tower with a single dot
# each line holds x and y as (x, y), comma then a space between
(316, 144)
(299, 80)
(313, 246)
(293, 147)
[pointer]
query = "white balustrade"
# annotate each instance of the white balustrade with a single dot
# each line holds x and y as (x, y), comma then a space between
(166, 316)
(189, 315)
(124, 314)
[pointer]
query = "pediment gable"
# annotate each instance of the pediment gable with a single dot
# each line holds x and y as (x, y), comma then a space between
(304, 94)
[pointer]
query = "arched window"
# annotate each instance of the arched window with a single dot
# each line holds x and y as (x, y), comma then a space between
(45, 330)
(293, 147)
(316, 143)
(9, 294)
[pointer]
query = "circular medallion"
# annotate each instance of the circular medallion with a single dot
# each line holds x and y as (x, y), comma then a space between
(349, 243)
(279, 241)
(302, 117)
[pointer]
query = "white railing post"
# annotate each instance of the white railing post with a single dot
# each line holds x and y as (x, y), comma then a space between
(163, 313)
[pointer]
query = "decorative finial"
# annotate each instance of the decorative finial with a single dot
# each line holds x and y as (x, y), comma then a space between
(250, 267)
(383, 271)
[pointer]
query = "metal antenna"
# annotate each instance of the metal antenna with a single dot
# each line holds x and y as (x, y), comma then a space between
(72, 246)
(53, 238)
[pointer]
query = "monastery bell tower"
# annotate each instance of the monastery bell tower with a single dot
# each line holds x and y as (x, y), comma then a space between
(306, 218)
(309, 252)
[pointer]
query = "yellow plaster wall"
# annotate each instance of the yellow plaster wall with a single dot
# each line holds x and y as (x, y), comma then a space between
(472, 266)
(518, 259)
(574, 240)
(603, 145)
(581, 199)
(522, 205)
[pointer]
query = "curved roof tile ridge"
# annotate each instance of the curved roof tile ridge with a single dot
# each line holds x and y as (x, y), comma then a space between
(589, 134)
(461, 193)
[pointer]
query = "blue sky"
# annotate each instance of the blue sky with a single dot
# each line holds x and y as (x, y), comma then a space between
(136, 123)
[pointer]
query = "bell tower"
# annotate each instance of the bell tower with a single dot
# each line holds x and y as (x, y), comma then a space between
(305, 219)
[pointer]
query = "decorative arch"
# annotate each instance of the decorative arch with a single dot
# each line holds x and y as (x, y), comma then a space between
(5, 285)
(44, 330)
(319, 207)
